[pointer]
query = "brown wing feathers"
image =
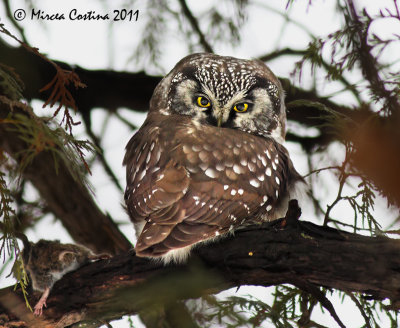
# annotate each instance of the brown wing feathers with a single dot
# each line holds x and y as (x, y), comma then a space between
(188, 190)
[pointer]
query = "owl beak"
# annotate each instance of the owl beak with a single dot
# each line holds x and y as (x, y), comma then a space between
(219, 121)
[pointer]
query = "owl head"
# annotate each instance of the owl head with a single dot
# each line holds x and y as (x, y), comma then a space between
(225, 92)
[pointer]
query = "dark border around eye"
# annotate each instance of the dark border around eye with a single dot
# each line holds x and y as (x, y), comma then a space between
(198, 101)
(241, 108)
(247, 106)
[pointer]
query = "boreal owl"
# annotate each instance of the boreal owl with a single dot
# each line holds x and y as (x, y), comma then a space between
(209, 157)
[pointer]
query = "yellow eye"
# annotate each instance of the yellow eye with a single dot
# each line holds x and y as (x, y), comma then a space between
(241, 108)
(203, 102)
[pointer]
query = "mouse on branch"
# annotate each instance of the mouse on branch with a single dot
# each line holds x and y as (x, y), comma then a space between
(48, 261)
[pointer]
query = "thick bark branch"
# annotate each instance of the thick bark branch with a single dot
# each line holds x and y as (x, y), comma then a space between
(300, 253)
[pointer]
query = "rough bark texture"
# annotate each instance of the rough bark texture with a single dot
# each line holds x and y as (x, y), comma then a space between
(284, 251)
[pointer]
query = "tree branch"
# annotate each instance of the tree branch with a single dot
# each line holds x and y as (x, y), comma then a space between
(325, 65)
(88, 124)
(301, 253)
(370, 67)
(195, 25)
(107, 89)
(111, 90)
(69, 200)
(13, 21)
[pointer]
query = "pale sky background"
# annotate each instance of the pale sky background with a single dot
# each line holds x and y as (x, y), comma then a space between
(109, 45)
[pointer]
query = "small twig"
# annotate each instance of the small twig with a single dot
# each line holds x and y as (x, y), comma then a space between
(316, 202)
(286, 17)
(337, 223)
(106, 323)
(320, 296)
(59, 91)
(397, 9)
(282, 52)
(342, 180)
(329, 208)
(195, 25)
(13, 21)
(314, 324)
(62, 95)
(369, 64)
(125, 121)
(360, 307)
(318, 210)
(18, 235)
(100, 153)
(306, 311)
(58, 85)
(325, 65)
(316, 171)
